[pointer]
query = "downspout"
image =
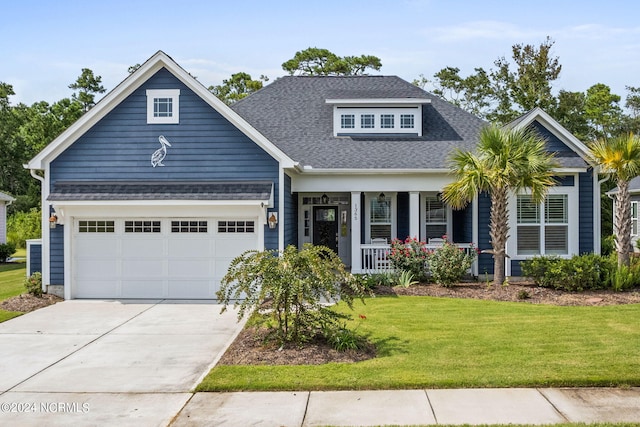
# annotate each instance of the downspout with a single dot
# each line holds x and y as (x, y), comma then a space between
(44, 218)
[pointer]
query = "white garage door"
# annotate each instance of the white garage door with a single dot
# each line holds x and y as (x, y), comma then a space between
(172, 258)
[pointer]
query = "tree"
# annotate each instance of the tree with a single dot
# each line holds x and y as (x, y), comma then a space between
(569, 112)
(502, 93)
(619, 158)
(238, 86)
(602, 111)
(506, 160)
(322, 62)
(88, 86)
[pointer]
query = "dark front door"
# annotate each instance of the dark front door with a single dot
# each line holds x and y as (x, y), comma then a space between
(325, 227)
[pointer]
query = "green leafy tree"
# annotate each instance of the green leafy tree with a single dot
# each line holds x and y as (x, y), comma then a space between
(88, 86)
(619, 159)
(295, 285)
(237, 87)
(322, 62)
(505, 161)
(602, 110)
(470, 93)
(22, 226)
(569, 112)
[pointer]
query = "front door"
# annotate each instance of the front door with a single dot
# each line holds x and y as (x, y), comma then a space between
(325, 227)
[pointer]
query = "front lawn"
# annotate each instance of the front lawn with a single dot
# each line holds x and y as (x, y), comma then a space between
(426, 342)
(12, 277)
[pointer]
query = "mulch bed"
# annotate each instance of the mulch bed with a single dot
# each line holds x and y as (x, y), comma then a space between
(27, 302)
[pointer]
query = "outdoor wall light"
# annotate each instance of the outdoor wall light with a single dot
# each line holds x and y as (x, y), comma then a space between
(325, 199)
(381, 198)
(273, 220)
(53, 221)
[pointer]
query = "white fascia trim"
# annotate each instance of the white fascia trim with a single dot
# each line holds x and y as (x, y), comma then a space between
(570, 170)
(128, 86)
(558, 130)
(379, 101)
(181, 203)
(313, 171)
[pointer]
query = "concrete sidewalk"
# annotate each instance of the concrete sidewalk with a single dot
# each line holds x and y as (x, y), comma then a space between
(412, 407)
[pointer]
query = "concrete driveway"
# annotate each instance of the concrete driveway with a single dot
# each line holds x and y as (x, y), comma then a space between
(80, 362)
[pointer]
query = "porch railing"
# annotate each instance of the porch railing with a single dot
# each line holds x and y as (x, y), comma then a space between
(375, 256)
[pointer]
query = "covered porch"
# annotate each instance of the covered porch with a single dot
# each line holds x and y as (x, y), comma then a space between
(360, 225)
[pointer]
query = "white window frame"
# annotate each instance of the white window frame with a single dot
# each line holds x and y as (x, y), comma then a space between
(573, 241)
(377, 113)
(423, 217)
(634, 218)
(367, 209)
(174, 95)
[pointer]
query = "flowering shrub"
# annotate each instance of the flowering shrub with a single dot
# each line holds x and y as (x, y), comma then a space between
(33, 284)
(409, 255)
(448, 264)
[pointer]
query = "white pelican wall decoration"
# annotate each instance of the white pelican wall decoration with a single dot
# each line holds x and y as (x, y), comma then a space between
(160, 153)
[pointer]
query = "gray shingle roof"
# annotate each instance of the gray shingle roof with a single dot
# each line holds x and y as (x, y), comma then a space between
(291, 112)
(116, 190)
(6, 198)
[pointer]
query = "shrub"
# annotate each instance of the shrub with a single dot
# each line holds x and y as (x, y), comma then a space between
(405, 279)
(294, 285)
(370, 281)
(577, 273)
(33, 284)
(608, 245)
(409, 255)
(6, 250)
(448, 264)
(624, 278)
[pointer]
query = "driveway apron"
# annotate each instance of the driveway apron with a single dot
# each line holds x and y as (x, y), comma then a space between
(64, 363)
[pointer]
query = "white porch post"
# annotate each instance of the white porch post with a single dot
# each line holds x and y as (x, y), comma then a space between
(356, 217)
(414, 214)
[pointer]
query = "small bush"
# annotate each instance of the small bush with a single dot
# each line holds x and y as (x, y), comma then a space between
(608, 245)
(449, 264)
(524, 294)
(624, 278)
(409, 255)
(6, 250)
(33, 284)
(577, 273)
(405, 279)
(370, 281)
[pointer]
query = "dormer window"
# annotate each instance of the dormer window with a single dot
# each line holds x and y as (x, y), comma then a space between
(163, 106)
(377, 116)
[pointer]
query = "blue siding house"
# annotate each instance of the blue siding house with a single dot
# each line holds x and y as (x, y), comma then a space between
(157, 188)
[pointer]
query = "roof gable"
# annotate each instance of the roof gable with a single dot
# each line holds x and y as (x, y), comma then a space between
(539, 118)
(5, 197)
(128, 86)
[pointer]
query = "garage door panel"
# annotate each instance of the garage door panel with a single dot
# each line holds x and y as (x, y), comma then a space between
(161, 264)
(189, 289)
(137, 246)
(142, 288)
(190, 268)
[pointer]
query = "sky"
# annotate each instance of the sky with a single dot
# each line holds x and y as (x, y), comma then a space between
(44, 44)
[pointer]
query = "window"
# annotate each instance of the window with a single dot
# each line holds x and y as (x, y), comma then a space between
(96, 226)
(436, 217)
(348, 121)
(634, 218)
(367, 121)
(380, 218)
(188, 226)
(386, 121)
(543, 235)
(142, 226)
(163, 106)
(236, 226)
(406, 121)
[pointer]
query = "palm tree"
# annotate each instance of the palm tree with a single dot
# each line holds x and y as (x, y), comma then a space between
(619, 158)
(506, 160)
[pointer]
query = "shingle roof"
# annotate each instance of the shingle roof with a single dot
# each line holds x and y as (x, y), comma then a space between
(6, 198)
(291, 112)
(116, 190)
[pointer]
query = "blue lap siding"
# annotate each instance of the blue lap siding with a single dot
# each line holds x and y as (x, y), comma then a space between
(204, 147)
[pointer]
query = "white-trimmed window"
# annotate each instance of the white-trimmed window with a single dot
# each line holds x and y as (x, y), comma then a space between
(367, 121)
(381, 218)
(96, 226)
(189, 226)
(142, 226)
(387, 121)
(634, 218)
(543, 229)
(407, 121)
(436, 217)
(163, 106)
(236, 226)
(348, 121)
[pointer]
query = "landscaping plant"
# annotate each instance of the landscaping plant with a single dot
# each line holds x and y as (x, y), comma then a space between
(294, 287)
(409, 255)
(577, 273)
(6, 250)
(33, 284)
(449, 263)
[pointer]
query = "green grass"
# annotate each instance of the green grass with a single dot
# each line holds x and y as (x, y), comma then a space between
(426, 342)
(12, 277)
